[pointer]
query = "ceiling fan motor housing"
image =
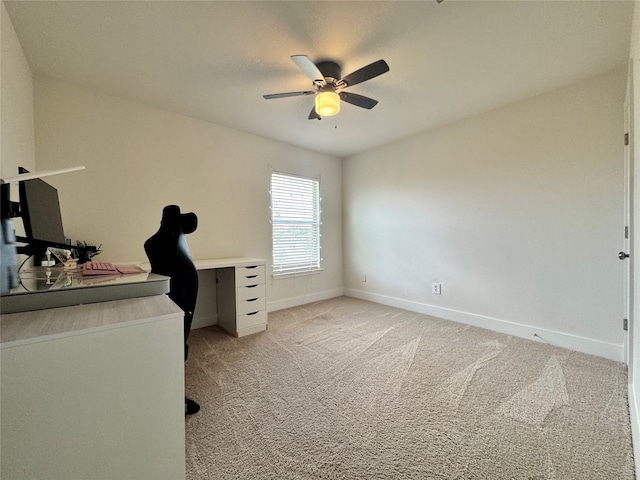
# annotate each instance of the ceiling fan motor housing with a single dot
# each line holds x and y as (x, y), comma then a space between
(330, 70)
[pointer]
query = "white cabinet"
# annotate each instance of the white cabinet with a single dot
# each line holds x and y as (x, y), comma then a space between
(94, 392)
(241, 296)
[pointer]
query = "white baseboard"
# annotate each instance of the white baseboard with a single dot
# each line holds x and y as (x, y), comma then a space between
(303, 299)
(573, 342)
(635, 426)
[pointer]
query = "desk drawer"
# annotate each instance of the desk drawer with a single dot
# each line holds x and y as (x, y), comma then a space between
(250, 306)
(250, 291)
(250, 279)
(252, 319)
(249, 271)
(241, 297)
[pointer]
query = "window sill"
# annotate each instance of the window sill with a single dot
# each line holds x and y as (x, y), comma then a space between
(277, 276)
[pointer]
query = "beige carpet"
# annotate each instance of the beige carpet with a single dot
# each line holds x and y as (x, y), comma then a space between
(348, 389)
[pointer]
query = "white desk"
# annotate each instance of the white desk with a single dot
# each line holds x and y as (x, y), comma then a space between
(96, 391)
(93, 392)
(215, 263)
(241, 293)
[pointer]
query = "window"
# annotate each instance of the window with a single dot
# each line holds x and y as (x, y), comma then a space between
(295, 220)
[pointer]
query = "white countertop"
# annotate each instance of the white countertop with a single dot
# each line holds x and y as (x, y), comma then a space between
(227, 262)
(211, 263)
(43, 325)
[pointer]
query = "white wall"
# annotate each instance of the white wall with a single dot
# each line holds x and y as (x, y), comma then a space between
(635, 32)
(141, 158)
(517, 212)
(16, 104)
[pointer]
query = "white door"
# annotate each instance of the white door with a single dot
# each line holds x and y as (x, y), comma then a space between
(627, 244)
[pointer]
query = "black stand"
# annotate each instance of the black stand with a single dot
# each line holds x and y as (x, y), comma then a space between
(170, 256)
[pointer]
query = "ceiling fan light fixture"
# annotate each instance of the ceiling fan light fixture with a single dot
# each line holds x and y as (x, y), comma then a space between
(327, 104)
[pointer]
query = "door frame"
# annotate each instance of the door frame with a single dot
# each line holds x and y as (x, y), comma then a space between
(627, 245)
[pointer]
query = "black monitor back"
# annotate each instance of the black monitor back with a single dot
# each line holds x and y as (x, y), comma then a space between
(40, 210)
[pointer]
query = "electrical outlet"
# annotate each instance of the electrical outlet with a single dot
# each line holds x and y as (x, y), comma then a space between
(436, 289)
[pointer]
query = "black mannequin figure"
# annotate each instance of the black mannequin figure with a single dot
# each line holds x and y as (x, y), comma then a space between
(169, 255)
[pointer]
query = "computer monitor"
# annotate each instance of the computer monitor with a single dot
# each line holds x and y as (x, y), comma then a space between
(42, 218)
(41, 215)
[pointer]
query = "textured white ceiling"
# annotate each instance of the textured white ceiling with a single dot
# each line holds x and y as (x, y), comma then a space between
(213, 60)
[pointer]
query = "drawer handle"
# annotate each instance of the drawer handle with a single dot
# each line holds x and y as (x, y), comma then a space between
(251, 299)
(250, 286)
(251, 276)
(253, 266)
(252, 313)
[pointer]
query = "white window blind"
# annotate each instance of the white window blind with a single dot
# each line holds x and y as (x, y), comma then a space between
(295, 219)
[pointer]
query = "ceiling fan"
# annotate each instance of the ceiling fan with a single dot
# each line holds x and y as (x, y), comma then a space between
(328, 85)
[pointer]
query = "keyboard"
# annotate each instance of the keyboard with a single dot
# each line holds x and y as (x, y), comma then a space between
(107, 268)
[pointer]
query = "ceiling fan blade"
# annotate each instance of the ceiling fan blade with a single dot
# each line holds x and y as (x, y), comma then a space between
(308, 67)
(358, 100)
(366, 73)
(288, 94)
(313, 115)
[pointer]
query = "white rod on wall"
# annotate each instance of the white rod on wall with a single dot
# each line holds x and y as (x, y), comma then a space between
(46, 173)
